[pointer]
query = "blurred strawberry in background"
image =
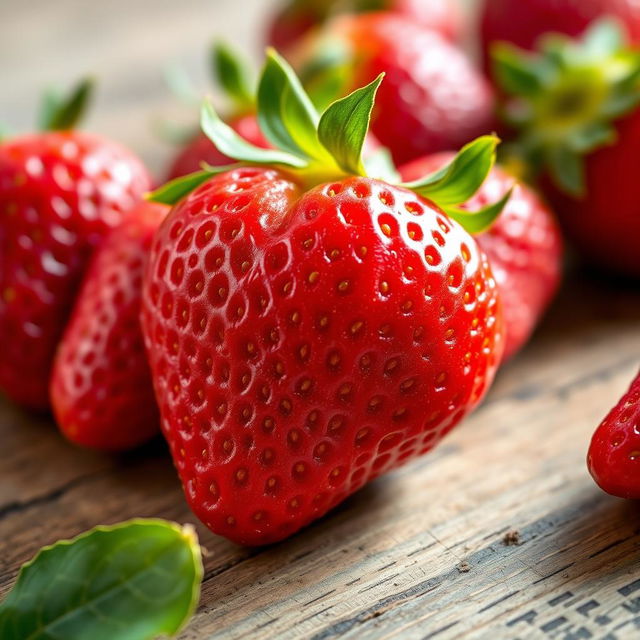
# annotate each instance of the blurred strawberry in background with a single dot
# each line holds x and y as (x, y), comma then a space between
(575, 108)
(297, 18)
(432, 98)
(522, 22)
(61, 192)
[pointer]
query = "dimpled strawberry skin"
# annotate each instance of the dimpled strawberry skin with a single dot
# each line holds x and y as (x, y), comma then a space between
(302, 344)
(614, 454)
(432, 99)
(201, 149)
(524, 247)
(101, 389)
(60, 192)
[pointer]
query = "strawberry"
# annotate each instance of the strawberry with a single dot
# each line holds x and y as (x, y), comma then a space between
(523, 22)
(297, 18)
(309, 327)
(576, 109)
(233, 76)
(432, 99)
(524, 247)
(61, 191)
(101, 389)
(614, 454)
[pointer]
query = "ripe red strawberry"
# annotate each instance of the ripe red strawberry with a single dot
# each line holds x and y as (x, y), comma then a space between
(101, 389)
(309, 328)
(60, 193)
(523, 22)
(614, 454)
(232, 75)
(524, 247)
(575, 107)
(432, 98)
(297, 17)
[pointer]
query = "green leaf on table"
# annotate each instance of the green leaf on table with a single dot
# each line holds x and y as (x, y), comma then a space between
(344, 125)
(132, 581)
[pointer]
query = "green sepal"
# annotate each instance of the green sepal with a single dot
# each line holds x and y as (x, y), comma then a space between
(233, 76)
(344, 125)
(564, 99)
(462, 177)
(286, 114)
(479, 220)
(174, 190)
(516, 72)
(136, 580)
(234, 146)
(567, 170)
(61, 113)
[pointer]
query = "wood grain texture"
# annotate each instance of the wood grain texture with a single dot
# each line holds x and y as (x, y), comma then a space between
(420, 553)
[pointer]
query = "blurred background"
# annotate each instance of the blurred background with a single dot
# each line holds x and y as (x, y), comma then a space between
(126, 45)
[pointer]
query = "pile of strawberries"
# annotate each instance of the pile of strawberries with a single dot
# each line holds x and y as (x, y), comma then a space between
(325, 287)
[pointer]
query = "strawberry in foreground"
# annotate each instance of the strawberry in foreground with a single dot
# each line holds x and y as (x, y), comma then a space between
(308, 327)
(61, 191)
(432, 98)
(101, 389)
(523, 22)
(614, 454)
(575, 107)
(524, 247)
(232, 76)
(298, 17)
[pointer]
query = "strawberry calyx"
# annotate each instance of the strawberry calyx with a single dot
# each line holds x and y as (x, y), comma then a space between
(564, 99)
(316, 148)
(60, 112)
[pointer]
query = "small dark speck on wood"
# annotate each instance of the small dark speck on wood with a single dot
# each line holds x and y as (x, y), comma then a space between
(511, 538)
(464, 567)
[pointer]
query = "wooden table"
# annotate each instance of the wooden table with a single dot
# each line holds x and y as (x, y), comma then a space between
(500, 533)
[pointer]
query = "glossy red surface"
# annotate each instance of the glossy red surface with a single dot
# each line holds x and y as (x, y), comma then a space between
(614, 454)
(304, 343)
(60, 193)
(101, 389)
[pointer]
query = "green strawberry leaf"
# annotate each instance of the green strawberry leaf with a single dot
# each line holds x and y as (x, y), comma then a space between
(516, 72)
(133, 581)
(567, 170)
(379, 165)
(481, 219)
(462, 177)
(231, 144)
(344, 125)
(285, 112)
(174, 190)
(233, 76)
(60, 113)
